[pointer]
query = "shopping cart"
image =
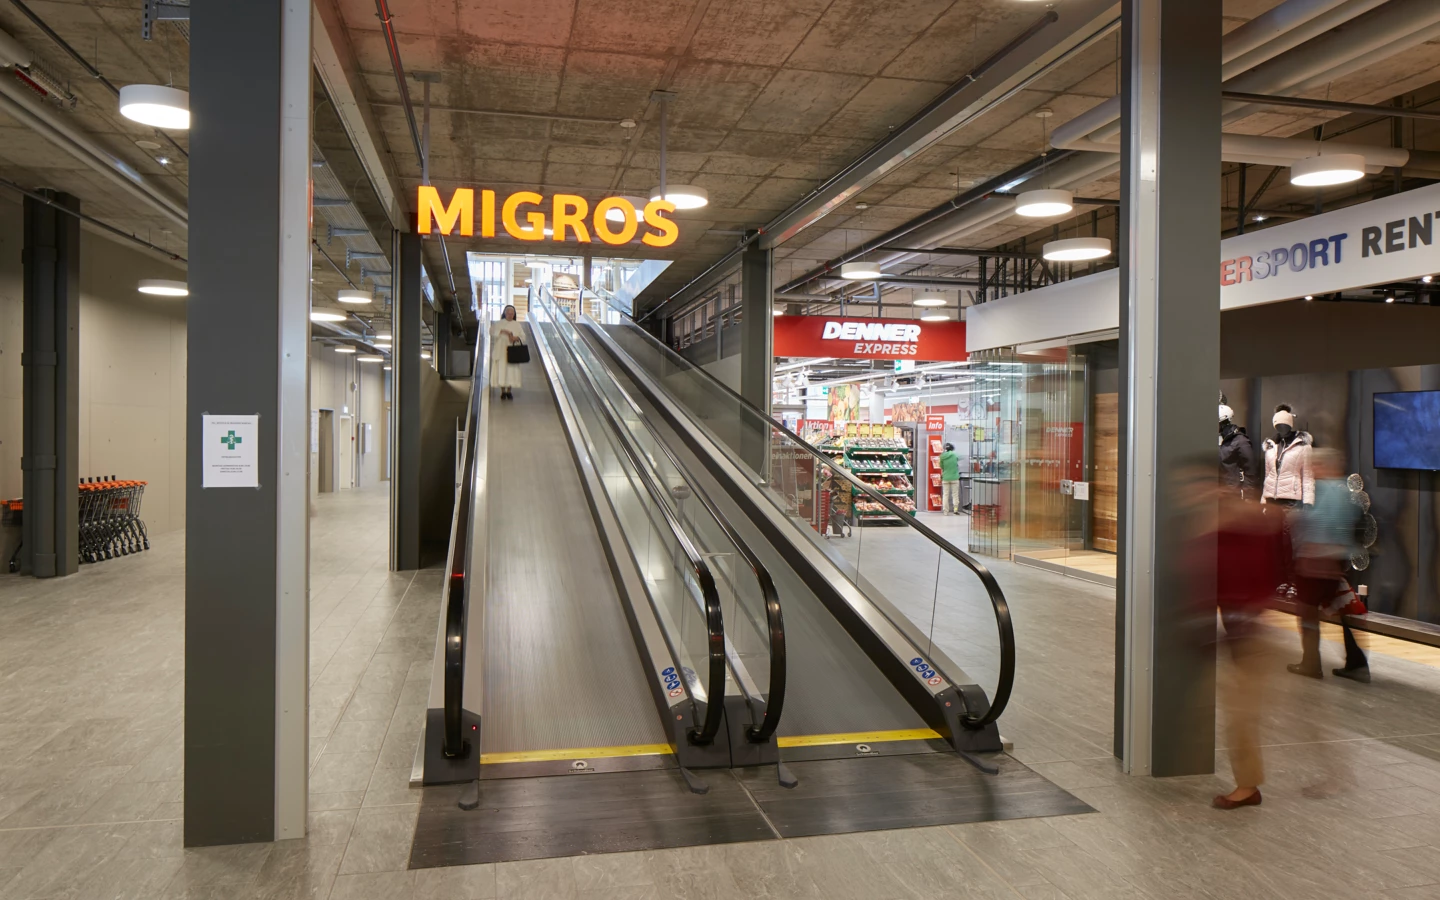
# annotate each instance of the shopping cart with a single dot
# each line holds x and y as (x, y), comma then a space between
(110, 523)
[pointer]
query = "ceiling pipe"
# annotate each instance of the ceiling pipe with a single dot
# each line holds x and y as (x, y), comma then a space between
(1367, 109)
(24, 106)
(1273, 151)
(1283, 28)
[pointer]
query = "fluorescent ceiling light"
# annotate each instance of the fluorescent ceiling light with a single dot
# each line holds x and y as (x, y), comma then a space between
(684, 196)
(321, 316)
(345, 349)
(163, 287)
(929, 300)
(155, 105)
(935, 317)
(1077, 249)
(1327, 169)
(383, 347)
(369, 358)
(355, 297)
(424, 354)
(615, 214)
(1043, 204)
(860, 271)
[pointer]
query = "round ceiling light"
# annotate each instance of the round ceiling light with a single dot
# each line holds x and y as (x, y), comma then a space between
(860, 271)
(386, 367)
(934, 317)
(155, 105)
(345, 349)
(1327, 169)
(163, 287)
(929, 300)
(355, 297)
(616, 214)
(322, 316)
(1042, 204)
(777, 312)
(1077, 249)
(369, 358)
(684, 196)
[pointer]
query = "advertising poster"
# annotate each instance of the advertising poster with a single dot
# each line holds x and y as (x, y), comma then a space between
(844, 403)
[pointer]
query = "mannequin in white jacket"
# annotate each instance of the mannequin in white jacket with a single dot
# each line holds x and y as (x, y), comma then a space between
(1289, 478)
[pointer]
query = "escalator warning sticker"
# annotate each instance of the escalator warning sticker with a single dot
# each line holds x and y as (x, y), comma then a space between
(922, 668)
(935, 680)
(672, 681)
(676, 692)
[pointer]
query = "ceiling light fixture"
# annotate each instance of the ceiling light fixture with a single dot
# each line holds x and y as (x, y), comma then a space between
(369, 358)
(928, 300)
(1309, 296)
(345, 348)
(355, 297)
(1327, 169)
(155, 105)
(860, 271)
(777, 312)
(1426, 279)
(934, 317)
(387, 367)
(322, 316)
(1079, 249)
(424, 354)
(163, 287)
(684, 196)
(616, 214)
(1044, 204)
(1389, 299)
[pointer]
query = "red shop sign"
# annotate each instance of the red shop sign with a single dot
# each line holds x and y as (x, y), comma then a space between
(843, 337)
(934, 423)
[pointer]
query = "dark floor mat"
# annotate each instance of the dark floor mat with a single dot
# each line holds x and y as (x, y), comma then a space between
(570, 815)
(836, 796)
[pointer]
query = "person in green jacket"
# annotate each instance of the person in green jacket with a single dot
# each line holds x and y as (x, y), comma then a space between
(950, 481)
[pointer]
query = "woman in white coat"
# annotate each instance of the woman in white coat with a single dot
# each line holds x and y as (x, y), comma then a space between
(504, 333)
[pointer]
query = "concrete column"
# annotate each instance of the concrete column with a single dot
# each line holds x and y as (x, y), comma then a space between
(247, 549)
(50, 361)
(1170, 367)
(757, 329)
(442, 344)
(405, 405)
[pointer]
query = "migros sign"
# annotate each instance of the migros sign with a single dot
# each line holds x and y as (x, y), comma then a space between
(524, 215)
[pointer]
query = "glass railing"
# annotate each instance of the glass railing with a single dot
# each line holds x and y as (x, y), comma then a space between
(948, 599)
(679, 579)
(754, 625)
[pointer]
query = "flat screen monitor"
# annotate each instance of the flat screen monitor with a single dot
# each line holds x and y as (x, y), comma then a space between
(1407, 430)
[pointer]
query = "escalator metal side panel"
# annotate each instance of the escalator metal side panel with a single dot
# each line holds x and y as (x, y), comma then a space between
(872, 625)
(677, 714)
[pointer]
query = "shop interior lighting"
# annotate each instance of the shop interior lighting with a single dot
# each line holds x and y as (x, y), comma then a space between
(322, 316)
(1081, 249)
(355, 297)
(1044, 204)
(1327, 169)
(156, 105)
(345, 348)
(163, 287)
(935, 317)
(928, 300)
(860, 271)
(370, 358)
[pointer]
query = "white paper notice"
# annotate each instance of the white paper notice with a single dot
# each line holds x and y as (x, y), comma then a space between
(1082, 490)
(231, 455)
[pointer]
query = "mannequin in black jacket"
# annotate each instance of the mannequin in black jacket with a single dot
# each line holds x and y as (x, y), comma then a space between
(1237, 458)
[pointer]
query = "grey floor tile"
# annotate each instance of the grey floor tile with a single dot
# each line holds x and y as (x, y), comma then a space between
(391, 787)
(535, 879)
(374, 886)
(380, 840)
(340, 772)
(456, 883)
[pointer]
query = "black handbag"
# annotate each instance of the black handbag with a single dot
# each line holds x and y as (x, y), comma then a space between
(516, 354)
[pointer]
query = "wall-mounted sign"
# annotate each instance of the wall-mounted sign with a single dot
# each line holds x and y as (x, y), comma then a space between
(230, 452)
(934, 422)
(852, 338)
(526, 216)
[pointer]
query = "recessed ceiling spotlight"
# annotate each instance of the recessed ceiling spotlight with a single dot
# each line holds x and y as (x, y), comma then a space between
(1044, 204)
(155, 105)
(1327, 169)
(860, 271)
(1080, 249)
(163, 287)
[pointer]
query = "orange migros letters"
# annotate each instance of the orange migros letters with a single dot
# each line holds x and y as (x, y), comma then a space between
(523, 216)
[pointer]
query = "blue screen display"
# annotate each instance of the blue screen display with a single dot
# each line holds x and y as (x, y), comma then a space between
(1407, 430)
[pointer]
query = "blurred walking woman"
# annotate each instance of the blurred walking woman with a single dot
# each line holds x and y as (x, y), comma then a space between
(503, 333)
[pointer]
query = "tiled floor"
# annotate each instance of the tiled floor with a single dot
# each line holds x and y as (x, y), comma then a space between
(90, 757)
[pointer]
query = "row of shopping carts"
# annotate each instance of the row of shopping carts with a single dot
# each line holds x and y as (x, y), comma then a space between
(110, 523)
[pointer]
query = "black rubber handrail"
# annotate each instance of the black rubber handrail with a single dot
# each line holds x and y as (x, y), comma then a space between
(1003, 622)
(457, 579)
(774, 617)
(705, 733)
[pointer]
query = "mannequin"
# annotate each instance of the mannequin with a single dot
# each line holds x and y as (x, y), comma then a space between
(1289, 478)
(1237, 457)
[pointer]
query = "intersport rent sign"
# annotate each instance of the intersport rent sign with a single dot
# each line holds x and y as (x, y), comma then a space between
(852, 338)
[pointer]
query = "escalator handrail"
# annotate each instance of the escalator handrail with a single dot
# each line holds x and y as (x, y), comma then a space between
(458, 579)
(1003, 621)
(775, 620)
(705, 733)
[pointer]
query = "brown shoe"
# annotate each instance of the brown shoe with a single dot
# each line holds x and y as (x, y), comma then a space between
(1221, 801)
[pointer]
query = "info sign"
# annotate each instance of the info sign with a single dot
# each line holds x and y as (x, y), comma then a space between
(230, 451)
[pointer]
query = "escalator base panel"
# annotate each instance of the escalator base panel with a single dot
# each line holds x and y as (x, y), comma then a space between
(593, 765)
(863, 750)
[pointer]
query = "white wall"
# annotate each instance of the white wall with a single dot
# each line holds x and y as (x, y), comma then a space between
(333, 380)
(132, 371)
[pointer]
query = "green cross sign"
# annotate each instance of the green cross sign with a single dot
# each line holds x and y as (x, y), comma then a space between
(230, 440)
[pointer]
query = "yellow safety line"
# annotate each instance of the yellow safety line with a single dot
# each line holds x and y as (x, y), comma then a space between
(859, 737)
(575, 753)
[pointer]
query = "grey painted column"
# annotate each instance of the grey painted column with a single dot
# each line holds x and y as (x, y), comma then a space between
(442, 344)
(757, 327)
(50, 360)
(247, 549)
(405, 405)
(1170, 368)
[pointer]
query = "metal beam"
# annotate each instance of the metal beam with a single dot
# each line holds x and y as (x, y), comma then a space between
(965, 251)
(1397, 112)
